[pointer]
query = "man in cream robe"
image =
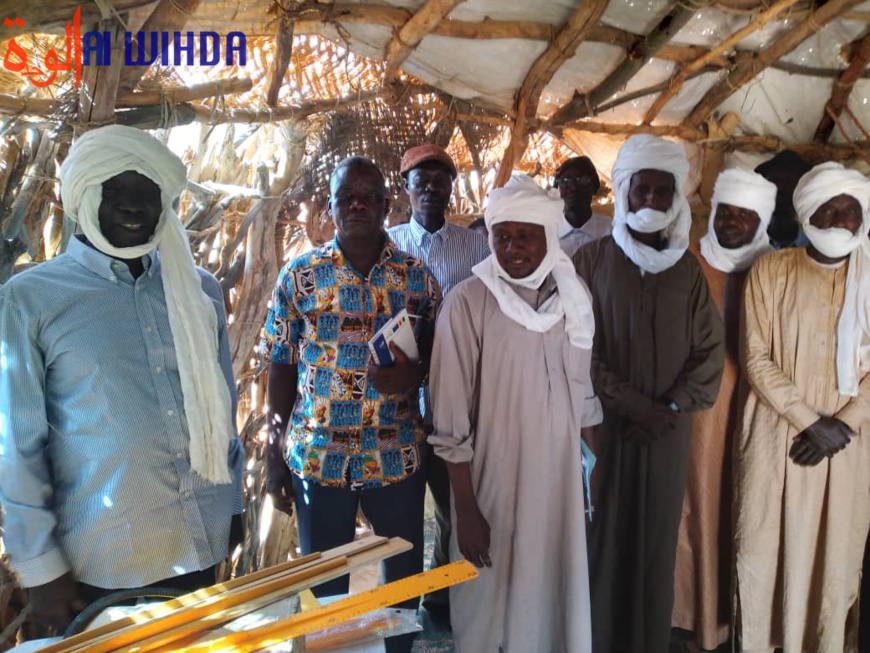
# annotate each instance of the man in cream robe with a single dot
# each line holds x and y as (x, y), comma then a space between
(742, 205)
(510, 389)
(802, 460)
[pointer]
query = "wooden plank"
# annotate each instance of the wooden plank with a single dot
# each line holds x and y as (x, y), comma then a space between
(340, 611)
(676, 83)
(231, 86)
(168, 16)
(747, 70)
(83, 640)
(860, 56)
(265, 595)
(413, 31)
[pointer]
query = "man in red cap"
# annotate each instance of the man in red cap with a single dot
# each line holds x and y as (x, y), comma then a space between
(449, 251)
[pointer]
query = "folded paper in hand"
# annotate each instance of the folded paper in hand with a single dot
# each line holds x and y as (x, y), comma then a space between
(399, 331)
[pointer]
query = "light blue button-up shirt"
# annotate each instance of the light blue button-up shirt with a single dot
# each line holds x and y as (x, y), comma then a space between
(449, 253)
(95, 472)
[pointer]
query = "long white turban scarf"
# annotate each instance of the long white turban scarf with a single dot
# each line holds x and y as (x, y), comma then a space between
(819, 185)
(100, 155)
(746, 190)
(522, 200)
(645, 152)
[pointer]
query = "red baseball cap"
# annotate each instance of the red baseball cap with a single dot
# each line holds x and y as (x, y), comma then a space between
(422, 153)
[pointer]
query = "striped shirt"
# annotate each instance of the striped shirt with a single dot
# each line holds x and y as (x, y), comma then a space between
(95, 474)
(450, 252)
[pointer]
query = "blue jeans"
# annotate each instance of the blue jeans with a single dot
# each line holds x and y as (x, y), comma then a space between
(326, 518)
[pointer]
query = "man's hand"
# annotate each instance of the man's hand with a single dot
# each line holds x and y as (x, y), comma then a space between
(472, 535)
(55, 605)
(279, 481)
(824, 438)
(402, 375)
(655, 423)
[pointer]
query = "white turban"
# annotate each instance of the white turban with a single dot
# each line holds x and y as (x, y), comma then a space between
(522, 200)
(645, 152)
(100, 155)
(746, 190)
(823, 183)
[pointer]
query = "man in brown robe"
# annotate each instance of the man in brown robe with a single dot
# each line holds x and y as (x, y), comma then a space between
(742, 205)
(802, 461)
(657, 358)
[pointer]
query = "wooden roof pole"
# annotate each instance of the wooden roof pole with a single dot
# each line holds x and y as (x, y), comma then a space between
(749, 67)
(283, 52)
(570, 36)
(859, 57)
(677, 81)
(581, 106)
(98, 94)
(310, 21)
(412, 32)
(168, 16)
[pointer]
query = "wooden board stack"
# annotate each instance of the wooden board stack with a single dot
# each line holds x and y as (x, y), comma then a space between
(180, 622)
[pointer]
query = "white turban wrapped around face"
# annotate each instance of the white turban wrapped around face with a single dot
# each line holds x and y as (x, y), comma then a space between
(646, 152)
(522, 200)
(747, 190)
(823, 183)
(107, 152)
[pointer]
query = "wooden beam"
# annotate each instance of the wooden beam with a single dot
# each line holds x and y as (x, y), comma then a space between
(747, 70)
(99, 91)
(283, 52)
(412, 32)
(570, 36)
(177, 95)
(51, 17)
(16, 105)
(815, 152)
(580, 105)
(843, 88)
(676, 83)
(168, 16)
(311, 19)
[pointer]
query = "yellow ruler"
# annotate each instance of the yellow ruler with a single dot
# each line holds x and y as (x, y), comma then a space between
(339, 611)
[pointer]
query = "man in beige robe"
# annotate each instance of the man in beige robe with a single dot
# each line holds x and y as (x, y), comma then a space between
(657, 359)
(509, 385)
(802, 461)
(742, 205)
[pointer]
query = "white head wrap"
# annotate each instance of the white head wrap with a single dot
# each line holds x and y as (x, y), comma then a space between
(645, 152)
(522, 200)
(746, 190)
(100, 155)
(823, 183)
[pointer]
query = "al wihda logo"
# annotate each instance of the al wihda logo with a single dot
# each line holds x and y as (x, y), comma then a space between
(95, 49)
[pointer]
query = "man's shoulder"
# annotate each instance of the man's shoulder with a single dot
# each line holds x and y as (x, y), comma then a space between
(594, 249)
(469, 291)
(37, 277)
(473, 240)
(778, 261)
(210, 285)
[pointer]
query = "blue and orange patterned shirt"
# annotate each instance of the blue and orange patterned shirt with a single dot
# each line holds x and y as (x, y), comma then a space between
(343, 432)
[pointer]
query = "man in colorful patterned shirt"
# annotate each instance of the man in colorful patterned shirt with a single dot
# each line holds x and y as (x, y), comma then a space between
(344, 432)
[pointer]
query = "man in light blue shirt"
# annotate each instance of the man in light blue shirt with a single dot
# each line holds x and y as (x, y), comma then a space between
(449, 251)
(578, 182)
(105, 480)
